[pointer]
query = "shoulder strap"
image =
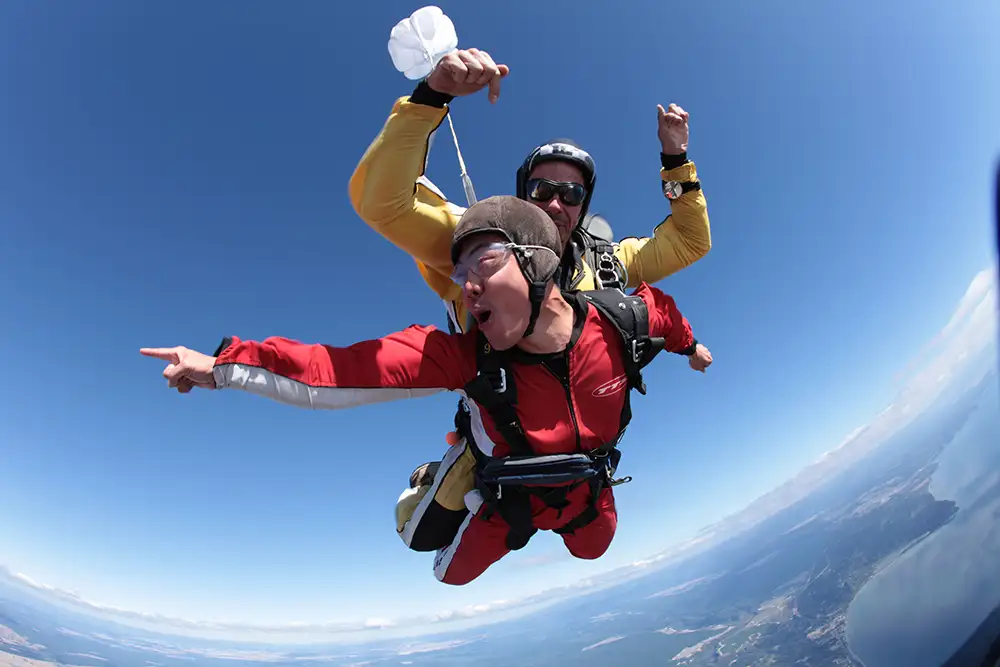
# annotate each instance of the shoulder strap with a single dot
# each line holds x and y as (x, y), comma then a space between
(630, 316)
(599, 254)
(569, 274)
(493, 389)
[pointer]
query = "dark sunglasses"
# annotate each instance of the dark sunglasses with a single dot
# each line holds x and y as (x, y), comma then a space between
(542, 189)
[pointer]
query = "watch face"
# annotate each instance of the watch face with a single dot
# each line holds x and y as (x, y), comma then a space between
(672, 189)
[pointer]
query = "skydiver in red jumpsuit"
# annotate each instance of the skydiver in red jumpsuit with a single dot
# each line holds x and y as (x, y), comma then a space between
(544, 415)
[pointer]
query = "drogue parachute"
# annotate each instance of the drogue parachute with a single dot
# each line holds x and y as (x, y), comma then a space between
(416, 45)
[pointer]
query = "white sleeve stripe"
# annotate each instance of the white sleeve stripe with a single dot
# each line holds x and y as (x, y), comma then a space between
(265, 383)
(445, 555)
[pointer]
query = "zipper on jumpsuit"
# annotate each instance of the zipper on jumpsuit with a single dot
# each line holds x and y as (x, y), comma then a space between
(564, 381)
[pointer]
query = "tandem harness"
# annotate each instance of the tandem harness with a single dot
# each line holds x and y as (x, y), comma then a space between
(593, 244)
(507, 483)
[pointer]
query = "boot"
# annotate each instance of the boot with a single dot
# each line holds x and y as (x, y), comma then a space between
(421, 480)
(424, 475)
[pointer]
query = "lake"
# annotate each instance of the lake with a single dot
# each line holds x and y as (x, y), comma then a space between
(919, 609)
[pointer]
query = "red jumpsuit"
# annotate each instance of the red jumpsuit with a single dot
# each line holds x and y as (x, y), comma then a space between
(557, 417)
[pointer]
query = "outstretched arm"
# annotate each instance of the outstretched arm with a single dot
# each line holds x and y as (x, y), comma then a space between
(417, 361)
(667, 321)
(685, 236)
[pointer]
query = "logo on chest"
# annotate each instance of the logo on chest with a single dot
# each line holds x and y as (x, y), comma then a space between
(611, 387)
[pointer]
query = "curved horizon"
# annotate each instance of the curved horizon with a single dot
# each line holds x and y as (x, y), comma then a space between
(175, 176)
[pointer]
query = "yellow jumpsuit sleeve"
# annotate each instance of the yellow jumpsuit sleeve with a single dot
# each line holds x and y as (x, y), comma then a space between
(389, 192)
(679, 241)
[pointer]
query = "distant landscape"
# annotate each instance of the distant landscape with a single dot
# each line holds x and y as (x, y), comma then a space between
(781, 592)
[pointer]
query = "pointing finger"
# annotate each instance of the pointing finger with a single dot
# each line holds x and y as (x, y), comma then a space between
(170, 354)
(495, 83)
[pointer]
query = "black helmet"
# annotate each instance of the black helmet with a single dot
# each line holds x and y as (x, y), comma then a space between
(559, 149)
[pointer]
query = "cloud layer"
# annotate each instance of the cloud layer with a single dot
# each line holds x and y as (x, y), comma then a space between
(314, 632)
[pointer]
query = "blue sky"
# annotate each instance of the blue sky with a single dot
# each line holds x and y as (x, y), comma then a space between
(174, 173)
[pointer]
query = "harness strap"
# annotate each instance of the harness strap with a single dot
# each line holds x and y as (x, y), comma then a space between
(606, 265)
(631, 318)
(582, 519)
(513, 504)
(588, 514)
(493, 389)
(514, 508)
(569, 274)
(600, 254)
(512, 501)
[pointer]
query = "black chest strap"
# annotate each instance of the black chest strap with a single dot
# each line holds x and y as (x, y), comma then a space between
(493, 389)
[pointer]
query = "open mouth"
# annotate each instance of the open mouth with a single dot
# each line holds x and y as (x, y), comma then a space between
(483, 316)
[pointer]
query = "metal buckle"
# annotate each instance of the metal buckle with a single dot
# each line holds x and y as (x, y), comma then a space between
(606, 268)
(503, 381)
(636, 351)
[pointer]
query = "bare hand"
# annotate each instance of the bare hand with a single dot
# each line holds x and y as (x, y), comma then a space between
(467, 71)
(187, 368)
(672, 129)
(701, 359)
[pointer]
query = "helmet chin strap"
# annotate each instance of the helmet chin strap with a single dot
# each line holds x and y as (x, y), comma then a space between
(536, 294)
